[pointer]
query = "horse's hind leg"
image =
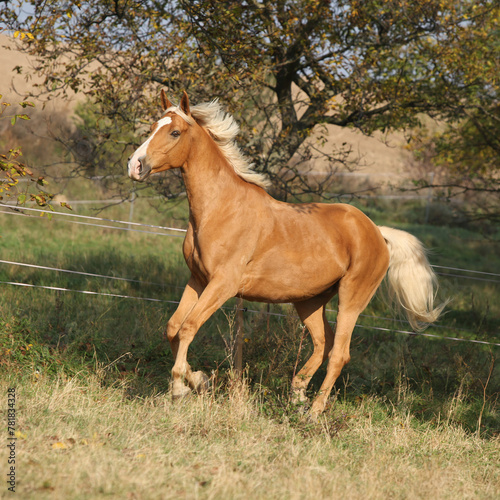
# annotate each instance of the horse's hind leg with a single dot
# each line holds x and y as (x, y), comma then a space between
(312, 314)
(354, 295)
(338, 357)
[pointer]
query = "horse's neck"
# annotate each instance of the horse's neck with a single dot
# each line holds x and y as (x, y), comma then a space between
(212, 185)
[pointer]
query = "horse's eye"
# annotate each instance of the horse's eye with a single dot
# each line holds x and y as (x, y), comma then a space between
(175, 133)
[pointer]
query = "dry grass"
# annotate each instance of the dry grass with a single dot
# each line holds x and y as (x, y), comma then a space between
(80, 440)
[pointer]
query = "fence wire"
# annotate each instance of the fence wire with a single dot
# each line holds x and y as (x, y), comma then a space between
(16, 211)
(245, 309)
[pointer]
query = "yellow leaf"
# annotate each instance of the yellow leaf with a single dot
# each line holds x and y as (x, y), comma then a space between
(16, 34)
(59, 446)
(68, 14)
(30, 36)
(20, 435)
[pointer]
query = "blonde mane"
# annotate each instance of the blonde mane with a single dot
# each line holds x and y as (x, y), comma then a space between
(224, 129)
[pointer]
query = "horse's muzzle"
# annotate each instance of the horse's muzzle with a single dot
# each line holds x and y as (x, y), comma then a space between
(138, 169)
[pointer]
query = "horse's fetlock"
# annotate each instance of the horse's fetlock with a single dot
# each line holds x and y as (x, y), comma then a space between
(178, 373)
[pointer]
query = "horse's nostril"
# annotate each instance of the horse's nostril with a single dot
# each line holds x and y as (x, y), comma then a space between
(139, 168)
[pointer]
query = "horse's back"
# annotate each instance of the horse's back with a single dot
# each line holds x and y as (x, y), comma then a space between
(305, 249)
(343, 228)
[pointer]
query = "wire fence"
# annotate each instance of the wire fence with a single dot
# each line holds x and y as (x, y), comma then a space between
(178, 232)
(55, 214)
(244, 309)
(164, 285)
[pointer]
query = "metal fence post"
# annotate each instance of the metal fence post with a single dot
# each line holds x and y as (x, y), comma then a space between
(131, 211)
(238, 351)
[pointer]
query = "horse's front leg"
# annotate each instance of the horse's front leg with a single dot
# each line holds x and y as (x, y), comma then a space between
(211, 298)
(189, 298)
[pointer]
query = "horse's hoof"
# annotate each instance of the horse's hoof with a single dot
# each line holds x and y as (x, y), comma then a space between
(199, 382)
(316, 410)
(180, 393)
(299, 397)
(312, 416)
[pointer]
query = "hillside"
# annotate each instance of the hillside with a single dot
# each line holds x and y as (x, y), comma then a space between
(381, 156)
(14, 86)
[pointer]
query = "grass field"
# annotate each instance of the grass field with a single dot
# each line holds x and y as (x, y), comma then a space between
(412, 417)
(81, 438)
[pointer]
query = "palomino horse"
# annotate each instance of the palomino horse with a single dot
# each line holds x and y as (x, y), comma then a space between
(242, 242)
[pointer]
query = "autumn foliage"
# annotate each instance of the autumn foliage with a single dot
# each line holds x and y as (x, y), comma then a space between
(284, 68)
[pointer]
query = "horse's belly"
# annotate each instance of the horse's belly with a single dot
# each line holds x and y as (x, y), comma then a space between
(284, 281)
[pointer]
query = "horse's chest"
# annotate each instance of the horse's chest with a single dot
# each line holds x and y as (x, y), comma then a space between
(193, 254)
(198, 267)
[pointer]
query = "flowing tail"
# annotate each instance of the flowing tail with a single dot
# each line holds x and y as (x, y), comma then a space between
(412, 284)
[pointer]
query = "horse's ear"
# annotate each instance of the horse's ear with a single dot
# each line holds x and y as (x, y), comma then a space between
(165, 102)
(185, 103)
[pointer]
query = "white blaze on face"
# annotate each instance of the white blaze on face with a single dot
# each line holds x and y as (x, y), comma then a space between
(140, 152)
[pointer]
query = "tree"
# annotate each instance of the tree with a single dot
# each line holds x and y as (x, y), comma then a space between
(465, 157)
(466, 148)
(13, 169)
(285, 68)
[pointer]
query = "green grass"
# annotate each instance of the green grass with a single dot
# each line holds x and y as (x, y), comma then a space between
(411, 415)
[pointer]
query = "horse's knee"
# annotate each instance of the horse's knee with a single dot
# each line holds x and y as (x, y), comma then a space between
(187, 331)
(177, 331)
(172, 329)
(179, 372)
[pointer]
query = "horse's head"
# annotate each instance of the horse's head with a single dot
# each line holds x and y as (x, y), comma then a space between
(167, 146)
